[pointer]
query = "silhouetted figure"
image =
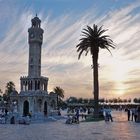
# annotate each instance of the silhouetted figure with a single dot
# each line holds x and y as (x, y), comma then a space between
(12, 121)
(135, 115)
(6, 111)
(74, 119)
(82, 115)
(59, 113)
(138, 111)
(77, 115)
(88, 111)
(128, 114)
(85, 116)
(30, 114)
(108, 115)
(69, 120)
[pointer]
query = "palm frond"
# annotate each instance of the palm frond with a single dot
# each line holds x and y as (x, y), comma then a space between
(85, 33)
(101, 32)
(108, 49)
(90, 30)
(93, 39)
(80, 53)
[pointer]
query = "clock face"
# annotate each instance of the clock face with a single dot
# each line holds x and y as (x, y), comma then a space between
(32, 35)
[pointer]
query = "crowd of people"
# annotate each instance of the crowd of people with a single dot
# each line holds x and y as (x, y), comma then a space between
(84, 112)
(9, 117)
(133, 114)
(107, 114)
(74, 118)
(75, 115)
(3, 116)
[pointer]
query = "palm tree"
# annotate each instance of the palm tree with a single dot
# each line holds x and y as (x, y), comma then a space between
(93, 39)
(60, 94)
(1, 95)
(59, 91)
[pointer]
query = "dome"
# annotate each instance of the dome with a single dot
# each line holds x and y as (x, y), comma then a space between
(36, 22)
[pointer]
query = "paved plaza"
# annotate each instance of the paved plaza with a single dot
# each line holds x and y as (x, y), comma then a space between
(120, 129)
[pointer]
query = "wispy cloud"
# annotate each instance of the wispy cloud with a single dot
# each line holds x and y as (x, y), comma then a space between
(59, 56)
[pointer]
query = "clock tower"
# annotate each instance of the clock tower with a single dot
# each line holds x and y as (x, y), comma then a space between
(35, 39)
(34, 96)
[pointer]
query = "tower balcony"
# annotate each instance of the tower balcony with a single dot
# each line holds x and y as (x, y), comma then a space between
(34, 84)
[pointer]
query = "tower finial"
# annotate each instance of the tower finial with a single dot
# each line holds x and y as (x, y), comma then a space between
(36, 14)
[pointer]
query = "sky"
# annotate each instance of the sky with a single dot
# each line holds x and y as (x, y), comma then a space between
(63, 21)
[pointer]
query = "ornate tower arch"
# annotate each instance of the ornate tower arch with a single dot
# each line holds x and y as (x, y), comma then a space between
(26, 108)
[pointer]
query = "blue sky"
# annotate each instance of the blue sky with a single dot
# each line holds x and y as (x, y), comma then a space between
(62, 21)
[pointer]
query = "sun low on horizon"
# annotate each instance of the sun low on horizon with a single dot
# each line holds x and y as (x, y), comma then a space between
(118, 72)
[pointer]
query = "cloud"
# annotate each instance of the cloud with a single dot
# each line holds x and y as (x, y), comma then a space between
(59, 56)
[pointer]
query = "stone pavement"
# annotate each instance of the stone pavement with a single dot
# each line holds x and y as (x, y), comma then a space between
(120, 129)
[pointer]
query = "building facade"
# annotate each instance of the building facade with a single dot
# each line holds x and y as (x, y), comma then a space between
(33, 97)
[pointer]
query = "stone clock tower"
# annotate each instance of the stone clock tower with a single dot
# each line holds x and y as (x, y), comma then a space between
(34, 81)
(34, 96)
(35, 39)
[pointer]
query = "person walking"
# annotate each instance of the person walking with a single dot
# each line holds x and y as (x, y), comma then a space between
(77, 115)
(107, 114)
(110, 115)
(138, 116)
(135, 115)
(128, 114)
(133, 112)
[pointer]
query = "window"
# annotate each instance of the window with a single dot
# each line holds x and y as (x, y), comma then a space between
(31, 60)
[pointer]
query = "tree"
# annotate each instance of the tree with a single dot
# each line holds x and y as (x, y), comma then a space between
(1, 94)
(85, 101)
(10, 87)
(80, 100)
(59, 91)
(115, 100)
(60, 94)
(129, 100)
(135, 100)
(1, 91)
(93, 39)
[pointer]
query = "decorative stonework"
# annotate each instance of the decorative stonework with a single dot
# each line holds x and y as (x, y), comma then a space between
(32, 83)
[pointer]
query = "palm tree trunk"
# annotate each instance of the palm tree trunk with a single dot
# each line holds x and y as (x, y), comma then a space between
(57, 102)
(96, 85)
